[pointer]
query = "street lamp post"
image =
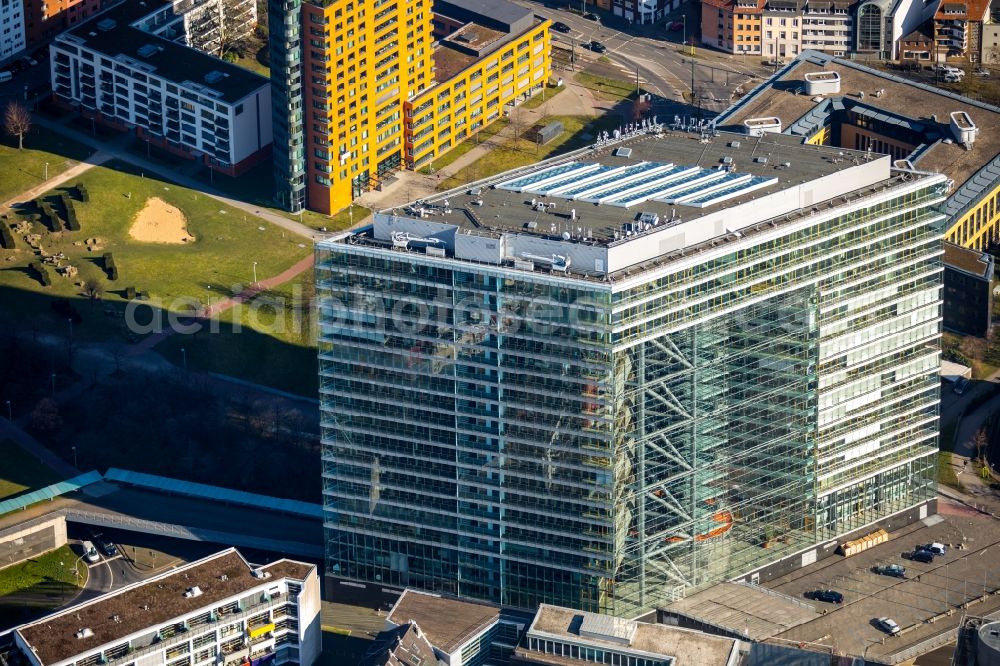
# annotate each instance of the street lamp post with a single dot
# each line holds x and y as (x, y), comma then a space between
(184, 358)
(684, 35)
(255, 273)
(74, 456)
(53, 385)
(10, 413)
(46, 171)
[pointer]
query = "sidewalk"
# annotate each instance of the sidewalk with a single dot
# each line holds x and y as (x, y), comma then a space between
(70, 174)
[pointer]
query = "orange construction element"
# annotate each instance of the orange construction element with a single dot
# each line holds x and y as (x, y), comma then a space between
(725, 517)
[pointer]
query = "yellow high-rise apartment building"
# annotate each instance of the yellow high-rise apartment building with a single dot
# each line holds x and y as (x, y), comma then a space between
(390, 84)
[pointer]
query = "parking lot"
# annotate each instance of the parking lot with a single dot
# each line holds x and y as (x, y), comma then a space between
(929, 600)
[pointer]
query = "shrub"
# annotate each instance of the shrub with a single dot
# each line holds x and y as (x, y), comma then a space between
(71, 220)
(130, 293)
(6, 238)
(81, 191)
(42, 272)
(110, 267)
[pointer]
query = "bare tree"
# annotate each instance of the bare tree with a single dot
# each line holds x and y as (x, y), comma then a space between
(93, 289)
(980, 440)
(17, 122)
(222, 26)
(640, 106)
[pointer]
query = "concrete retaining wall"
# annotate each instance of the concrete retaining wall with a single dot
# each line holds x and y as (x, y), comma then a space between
(31, 539)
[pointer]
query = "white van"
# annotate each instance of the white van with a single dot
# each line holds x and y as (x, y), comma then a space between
(6, 76)
(90, 553)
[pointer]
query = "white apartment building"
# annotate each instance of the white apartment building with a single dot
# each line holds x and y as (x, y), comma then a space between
(186, 101)
(217, 611)
(11, 29)
(826, 26)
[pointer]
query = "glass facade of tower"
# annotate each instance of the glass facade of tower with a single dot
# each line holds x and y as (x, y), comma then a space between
(525, 437)
(285, 48)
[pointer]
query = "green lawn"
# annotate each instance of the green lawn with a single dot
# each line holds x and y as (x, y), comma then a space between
(946, 472)
(21, 472)
(604, 87)
(487, 132)
(23, 169)
(277, 330)
(578, 131)
(34, 587)
(177, 277)
(254, 66)
(52, 571)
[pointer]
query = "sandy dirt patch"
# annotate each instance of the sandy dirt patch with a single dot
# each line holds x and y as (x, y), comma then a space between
(159, 222)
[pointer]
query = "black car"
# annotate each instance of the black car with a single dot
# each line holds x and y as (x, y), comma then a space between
(591, 16)
(924, 556)
(109, 549)
(597, 47)
(890, 570)
(829, 596)
(559, 26)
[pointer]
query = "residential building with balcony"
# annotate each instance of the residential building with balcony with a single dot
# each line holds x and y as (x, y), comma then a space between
(287, 111)
(733, 26)
(44, 19)
(483, 65)
(12, 32)
(190, 103)
(393, 86)
(216, 611)
(958, 30)
(527, 397)
(827, 26)
(210, 26)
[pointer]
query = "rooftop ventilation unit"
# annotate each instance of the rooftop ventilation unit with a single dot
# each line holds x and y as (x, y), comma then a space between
(762, 126)
(107, 24)
(762, 159)
(214, 76)
(822, 83)
(623, 152)
(193, 592)
(86, 632)
(148, 50)
(727, 160)
(649, 218)
(734, 144)
(963, 129)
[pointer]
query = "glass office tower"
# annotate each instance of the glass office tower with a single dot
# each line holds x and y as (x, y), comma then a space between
(523, 431)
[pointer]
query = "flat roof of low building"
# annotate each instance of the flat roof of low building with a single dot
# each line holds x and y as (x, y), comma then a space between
(974, 168)
(114, 616)
(111, 33)
(745, 610)
(446, 621)
(688, 648)
(596, 182)
(973, 262)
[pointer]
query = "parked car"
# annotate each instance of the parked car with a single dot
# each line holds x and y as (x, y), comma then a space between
(951, 77)
(597, 47)
(29, 61)
(559, 26)
(109, 549)
(887, 625)
(591, 16)
(90, 553)
(829, 596)
(677, 25)
(924, 556)
(961, 385)
(982, 72)
(890, 570)
(936, 548)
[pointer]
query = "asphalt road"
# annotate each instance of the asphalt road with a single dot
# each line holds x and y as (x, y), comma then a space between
(663, 63)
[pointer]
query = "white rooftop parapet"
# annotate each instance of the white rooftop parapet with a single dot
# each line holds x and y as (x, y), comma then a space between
(761, 126)
(822, 83)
